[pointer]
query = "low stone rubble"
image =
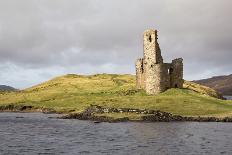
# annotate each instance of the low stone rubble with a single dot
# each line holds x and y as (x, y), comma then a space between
(148, 115)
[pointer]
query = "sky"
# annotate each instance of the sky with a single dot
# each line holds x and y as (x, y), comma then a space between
(42, 39)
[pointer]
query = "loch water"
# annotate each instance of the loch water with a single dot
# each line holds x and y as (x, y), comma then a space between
(228, 97)
(36, 133)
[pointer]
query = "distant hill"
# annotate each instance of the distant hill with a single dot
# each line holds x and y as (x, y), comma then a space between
(6, 88)
(222, 84)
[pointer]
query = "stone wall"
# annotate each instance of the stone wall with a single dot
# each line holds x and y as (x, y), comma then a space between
(177, 73)
(152, 62)
(166, 78)
(152, 53)
(139, 74)
(153, 79)
(151, 73)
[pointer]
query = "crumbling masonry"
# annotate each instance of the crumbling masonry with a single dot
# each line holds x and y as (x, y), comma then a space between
(152, 74)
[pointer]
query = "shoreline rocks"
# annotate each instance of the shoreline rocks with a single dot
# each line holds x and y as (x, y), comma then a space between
(25, 108)
(149, 116)
(92, 110)
(12, 107)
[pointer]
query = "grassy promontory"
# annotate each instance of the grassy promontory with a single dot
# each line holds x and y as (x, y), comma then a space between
(74, 93)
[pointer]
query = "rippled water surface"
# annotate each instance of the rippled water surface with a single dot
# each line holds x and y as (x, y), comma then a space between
(35, 133)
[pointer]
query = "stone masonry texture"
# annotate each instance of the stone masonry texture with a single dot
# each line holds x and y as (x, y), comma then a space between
(152, 74)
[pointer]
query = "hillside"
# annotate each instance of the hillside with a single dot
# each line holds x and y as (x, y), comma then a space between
(6, 88)
(223, 84)
(73, 93)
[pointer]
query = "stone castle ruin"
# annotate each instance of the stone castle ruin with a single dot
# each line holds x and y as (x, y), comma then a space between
(152, 74)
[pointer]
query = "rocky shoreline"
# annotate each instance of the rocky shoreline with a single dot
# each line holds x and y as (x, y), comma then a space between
(25, 108)
(93, 111)
(148, 116)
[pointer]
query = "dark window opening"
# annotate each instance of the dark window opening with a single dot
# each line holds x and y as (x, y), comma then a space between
(170, 71)
(176, 86)
(150, 39)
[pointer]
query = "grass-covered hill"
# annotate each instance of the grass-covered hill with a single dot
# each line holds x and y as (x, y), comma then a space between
(223, 84)
(75, 93)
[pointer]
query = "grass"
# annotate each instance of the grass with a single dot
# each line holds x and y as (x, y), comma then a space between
(75, 93)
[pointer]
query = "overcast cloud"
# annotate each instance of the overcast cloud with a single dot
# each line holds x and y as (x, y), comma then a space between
(40, 39)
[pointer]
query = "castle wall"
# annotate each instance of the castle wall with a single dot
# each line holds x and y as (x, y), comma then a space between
(153, 79)
(177, 73)
(152, 53)
(152, 61)
(139, 74)
(157, 79)
(151, 73)
(166, 76)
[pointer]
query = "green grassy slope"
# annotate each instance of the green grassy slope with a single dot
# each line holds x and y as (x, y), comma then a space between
(75, 92)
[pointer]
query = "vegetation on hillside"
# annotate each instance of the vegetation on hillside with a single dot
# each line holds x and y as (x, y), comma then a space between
(73, 93)
(223, 84)
(202, 89)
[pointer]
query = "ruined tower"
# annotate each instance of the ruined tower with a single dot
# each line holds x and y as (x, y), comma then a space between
(151, 73)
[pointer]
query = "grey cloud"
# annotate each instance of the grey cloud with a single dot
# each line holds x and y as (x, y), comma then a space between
(106, 35)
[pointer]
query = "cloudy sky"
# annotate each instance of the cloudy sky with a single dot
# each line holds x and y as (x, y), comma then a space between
(40, 39)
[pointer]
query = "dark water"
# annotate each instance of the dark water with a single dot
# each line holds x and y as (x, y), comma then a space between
(228, 97)
(37, 134)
